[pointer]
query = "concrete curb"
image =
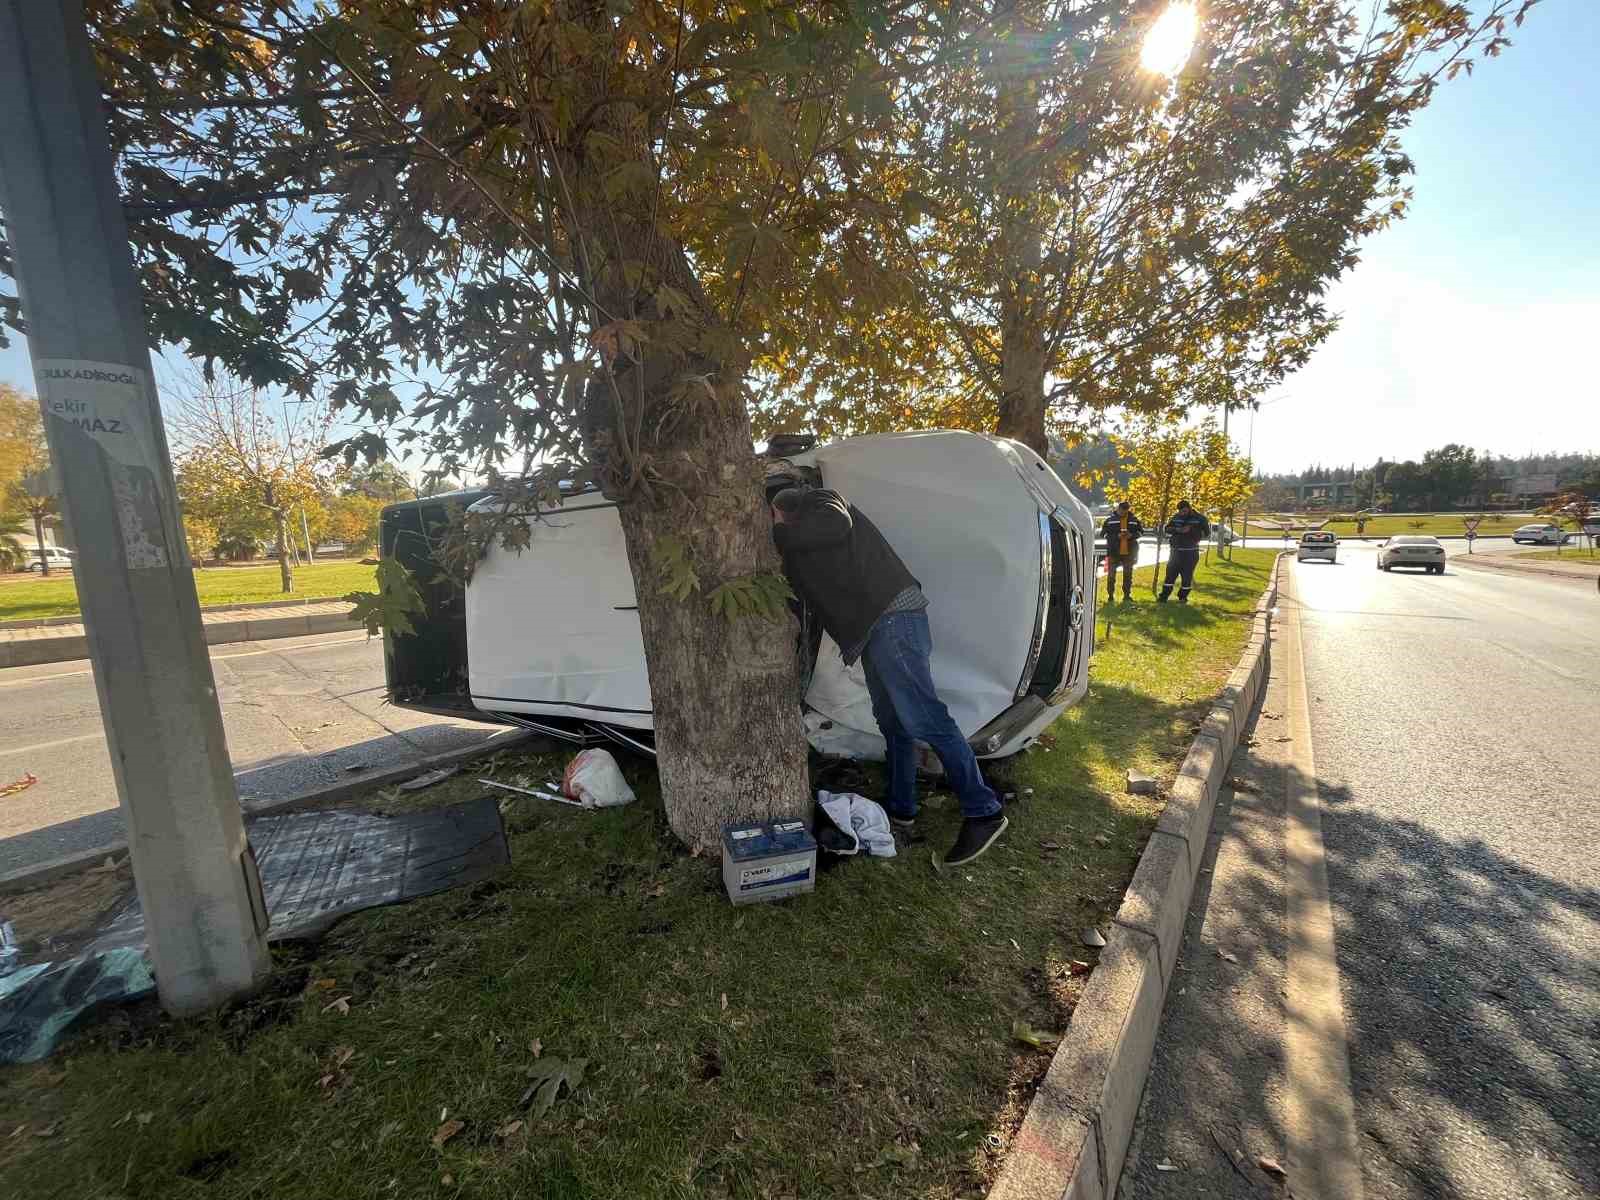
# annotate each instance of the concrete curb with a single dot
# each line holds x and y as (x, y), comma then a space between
(1483, 563)
(1075, 1136)
(48, 622)
(51, 869)
(68, 647)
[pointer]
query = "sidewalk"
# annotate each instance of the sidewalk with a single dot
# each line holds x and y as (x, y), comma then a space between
(28, 645)
(1580, 566)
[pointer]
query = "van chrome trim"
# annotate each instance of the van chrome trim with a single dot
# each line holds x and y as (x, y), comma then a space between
(1036, 646)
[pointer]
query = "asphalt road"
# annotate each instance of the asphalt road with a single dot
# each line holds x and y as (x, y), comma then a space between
(298, 713)
(1450, 739)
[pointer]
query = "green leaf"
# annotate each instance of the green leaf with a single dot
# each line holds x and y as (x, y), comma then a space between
(1038, 1039)
(392, 606)
(549, 1075)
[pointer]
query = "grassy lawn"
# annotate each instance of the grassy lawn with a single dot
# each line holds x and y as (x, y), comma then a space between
(1433, 523)
(1572, 553)
(854, 1042)
(33, 596)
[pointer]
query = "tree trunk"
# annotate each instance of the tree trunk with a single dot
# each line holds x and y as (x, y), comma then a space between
(1021, 248)
(285, 571)
(672, 431)
(38, 541)
(729, 742)
(1022, 366)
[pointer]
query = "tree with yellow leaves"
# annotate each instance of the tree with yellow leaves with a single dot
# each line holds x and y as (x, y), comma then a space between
(238, 471)
(27, 488)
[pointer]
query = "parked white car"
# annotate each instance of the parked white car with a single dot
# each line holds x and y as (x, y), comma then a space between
(59, 559)
(1318, 544)
(549, 639)
(1412, 550)
(1541, 535)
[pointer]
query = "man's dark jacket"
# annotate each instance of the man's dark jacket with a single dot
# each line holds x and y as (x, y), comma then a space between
(840, 565)
(1112, 532)
(1187, 529)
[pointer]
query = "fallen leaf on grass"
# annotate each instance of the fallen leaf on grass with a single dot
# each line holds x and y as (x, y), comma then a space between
(388, 1130)
(536, 1047)
(1039, 1039)
(509, 1129)
(1166, 1165)
(1101, 839)
(340, 1006)
(1226, 957)
(1270, 1165)
(144, 1118)
(46, 1131)
(17, 1132)
(724, 1001)
(894, 1155)
(1050, 845)
(1093, 937)
(342, 1055)
(322, 985)
(548, 1075)
(19, 785)
(447, 1131)
(1014, 945)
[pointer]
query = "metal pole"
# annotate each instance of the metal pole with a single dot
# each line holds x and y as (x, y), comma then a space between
(196, 877)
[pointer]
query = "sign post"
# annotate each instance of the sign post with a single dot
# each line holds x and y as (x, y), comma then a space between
(197, 882)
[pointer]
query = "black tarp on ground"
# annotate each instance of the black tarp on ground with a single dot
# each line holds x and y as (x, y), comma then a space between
(316, 867)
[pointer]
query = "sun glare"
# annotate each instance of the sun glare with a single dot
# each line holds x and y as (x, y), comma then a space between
(1171, 38)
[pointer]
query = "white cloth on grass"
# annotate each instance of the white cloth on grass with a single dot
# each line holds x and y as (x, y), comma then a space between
(862, 819)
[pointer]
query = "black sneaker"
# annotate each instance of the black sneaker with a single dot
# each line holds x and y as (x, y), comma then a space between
(905, 824)
(976, 836)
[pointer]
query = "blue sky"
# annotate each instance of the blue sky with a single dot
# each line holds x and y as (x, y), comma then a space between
(1473, 319)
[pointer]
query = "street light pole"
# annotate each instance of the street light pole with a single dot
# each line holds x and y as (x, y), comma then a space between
(196, 876)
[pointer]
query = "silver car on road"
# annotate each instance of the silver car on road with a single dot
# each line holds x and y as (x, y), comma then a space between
(1412, 550)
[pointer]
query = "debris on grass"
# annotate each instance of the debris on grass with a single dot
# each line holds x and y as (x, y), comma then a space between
(340, 1006)
(428, 779)
(1037, 1038)
(894, 1155)
(1167, 1164)
(1227, 957)
(1242, 785)
(1271, 1165)
(447, 1131)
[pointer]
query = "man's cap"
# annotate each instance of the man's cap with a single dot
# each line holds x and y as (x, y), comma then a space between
(1184, 504)
(789, 500)
(1124, 504)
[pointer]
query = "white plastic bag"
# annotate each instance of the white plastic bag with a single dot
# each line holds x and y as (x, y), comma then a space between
(594, 778)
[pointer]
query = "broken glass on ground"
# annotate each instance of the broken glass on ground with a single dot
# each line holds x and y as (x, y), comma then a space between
(316, 868)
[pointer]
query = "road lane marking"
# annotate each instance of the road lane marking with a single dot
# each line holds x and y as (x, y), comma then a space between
(1319, 1109)
(82, 737)
(344, 641)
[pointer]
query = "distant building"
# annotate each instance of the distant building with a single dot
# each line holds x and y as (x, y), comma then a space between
(1337, 495)
(1531, 488)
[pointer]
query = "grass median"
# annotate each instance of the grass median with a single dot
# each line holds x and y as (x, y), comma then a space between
(32, 598)
(853, 1042)
(1434, 524)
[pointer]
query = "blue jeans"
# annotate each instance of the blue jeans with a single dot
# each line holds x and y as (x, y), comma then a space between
(908, 710)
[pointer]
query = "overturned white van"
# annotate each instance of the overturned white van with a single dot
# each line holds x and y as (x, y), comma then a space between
(549, 638)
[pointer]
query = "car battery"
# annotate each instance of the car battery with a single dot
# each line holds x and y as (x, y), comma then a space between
(768, 861)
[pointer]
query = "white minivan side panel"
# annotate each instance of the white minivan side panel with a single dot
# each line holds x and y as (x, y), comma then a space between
(951, 505)
(554, 629)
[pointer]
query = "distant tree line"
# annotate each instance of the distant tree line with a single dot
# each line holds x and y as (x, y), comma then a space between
(1450, 477)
